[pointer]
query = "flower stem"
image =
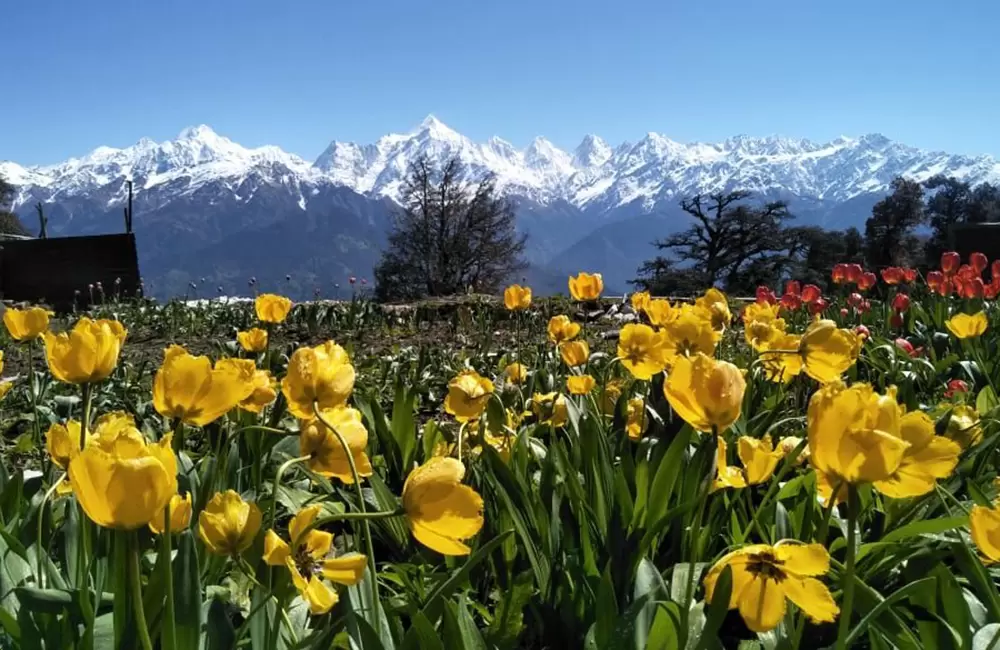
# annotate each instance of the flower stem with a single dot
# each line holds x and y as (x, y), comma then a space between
(135, 586)
(461, 432)
(33, 386)
(85, 420)
(41, 522)
(848, 575)
(365, 526)
(703, 490)
(277, 480)
(178, 441)
(169, 633)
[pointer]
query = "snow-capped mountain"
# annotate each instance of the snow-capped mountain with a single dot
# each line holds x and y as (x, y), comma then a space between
(201, 192)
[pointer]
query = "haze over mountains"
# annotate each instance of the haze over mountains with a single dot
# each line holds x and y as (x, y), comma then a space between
(206, 207)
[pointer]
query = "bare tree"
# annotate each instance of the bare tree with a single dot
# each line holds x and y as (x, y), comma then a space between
(449, 236)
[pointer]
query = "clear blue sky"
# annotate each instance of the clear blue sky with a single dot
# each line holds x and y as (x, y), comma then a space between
(298, 73)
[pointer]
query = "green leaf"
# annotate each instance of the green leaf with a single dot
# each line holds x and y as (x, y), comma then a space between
(649, 584)
(986, 400)
(665, 629)
(404, 431)
(446, 587)
(471, 637)
(671, 467)
(607, 611)
(987, 637)
(187, 592)
(924, 527)
(220, 632)
(421, 635)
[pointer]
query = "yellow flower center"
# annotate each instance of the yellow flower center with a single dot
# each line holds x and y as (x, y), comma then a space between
(766, 565)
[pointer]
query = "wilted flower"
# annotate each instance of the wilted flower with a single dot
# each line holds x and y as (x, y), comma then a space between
(516, 373)
(228, 524)
(308, 563)
(550, 409)
(764, 576)
(706, 393)
(189, 388)
(586, 286)
(468, 394)
(272, 308)
(574, 353)
(440, 510)
(516, 297)
(322, 374)
(253, 340)
(88, 353)
(966, 326)
(180, 515)
(963, 426)
(327, 456)
(26, 324)
(561, 328)
(640, 349)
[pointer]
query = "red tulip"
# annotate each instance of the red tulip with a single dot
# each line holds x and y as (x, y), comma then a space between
(765, 295)
(901, 302)
(862, 331)
(818, 306)
(854, 273)
(811, 293)
(935, 279)
(973, 288)
(910, 275)
(966, 272)
(950, 262)
(978, 262)
(791, 302)
(990, 291)
(908, 348)
(866, 306)
(867, 281)
(956, 386)
(792, 288)
(892, 275)
(995, 271)
(844, 312)
(896, 320)
(839, 274)
(855, 300)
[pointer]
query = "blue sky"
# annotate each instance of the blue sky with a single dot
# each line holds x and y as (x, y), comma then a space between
(300, 73)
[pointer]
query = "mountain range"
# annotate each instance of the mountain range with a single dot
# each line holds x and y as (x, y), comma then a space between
(209, 214)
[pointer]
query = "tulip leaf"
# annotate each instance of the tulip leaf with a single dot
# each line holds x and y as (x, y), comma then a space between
(986, 400)
(421, 635)
(404, 431)
(717, 608)
(187, 592)
(670, 468)
(220, 632)
(987, 637)
(925, 527)
(452, 582)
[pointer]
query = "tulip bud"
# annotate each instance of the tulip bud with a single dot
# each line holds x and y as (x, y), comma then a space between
(863, 332)
(811, 293)
(978, 262)
(896, 320)
(950, 262)
(901, 302)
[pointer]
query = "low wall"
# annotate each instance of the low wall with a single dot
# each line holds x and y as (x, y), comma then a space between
(966, 238)
(59, 271)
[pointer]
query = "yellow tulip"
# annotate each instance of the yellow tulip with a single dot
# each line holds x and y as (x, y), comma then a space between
(308, 555)
(688, 334)
(561, 329)
(574, 353)
(609, 398)
(716, 307)
(928, 458)
(964, 326)
(854, 435)
(5, 386)
(781, 366)
(327, 457)
(88, 353)
(661, 313)
(706, 393)
(1, 360)
(641, 350)
(516, 373)
(264, 392)
(639, 301)
(26, 324)
(468, 394)
(272, 308)
(580, 384)
(120, 480)
(726, 475)
(62, 441)
(516, 297)
(440, 510)
(759, 460)
(228, 524)
(761, 325)
(635, 418)
(550, 409)
(963, 426)
(586, 286)
(321, 374)
(789, 444)
(765, 576)
(189, 388)
(828, 351)
(253, 340)
(180, 515)
(984, 523)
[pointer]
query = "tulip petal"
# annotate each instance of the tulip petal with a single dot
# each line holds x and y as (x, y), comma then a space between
(762, 604)
(276, 551)
(803, 559)
(345, 570)
(812, 597)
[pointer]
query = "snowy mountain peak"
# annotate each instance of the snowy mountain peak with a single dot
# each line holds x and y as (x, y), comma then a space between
(199, 132)
(591, 152)
(435, 129)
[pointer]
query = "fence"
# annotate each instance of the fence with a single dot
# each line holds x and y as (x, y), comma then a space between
(68, 272)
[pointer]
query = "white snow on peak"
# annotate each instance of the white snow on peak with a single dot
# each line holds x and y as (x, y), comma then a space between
(596, 173)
